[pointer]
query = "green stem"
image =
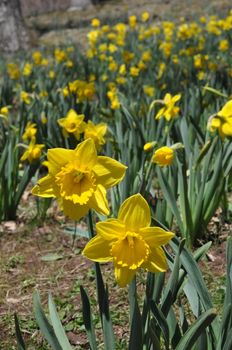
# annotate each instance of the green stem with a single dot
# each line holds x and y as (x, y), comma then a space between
(90, 225)
(75, 234)
(132, 297)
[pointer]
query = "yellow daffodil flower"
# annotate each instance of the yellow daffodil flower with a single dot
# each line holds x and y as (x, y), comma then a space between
(30, 131)
(37, 57)
(149, 90)
(132, 22)
(223, 45)
(223, 121)
(95, 22)
(4, 111)
(145, 16)
(96, 132)
(149, 146)
(163, 156)
(33, 153)
(79, 179)
(25, 97)
(169, 110)
(27, 70)
(129, 241)
(72, 124)
(13, 71)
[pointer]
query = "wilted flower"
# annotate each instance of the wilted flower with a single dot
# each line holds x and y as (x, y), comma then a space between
(79, 179)
(129, 241)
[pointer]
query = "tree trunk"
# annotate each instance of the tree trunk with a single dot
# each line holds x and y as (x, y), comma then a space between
(13, 34)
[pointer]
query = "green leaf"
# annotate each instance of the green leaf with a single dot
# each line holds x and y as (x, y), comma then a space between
(77, 232)
(87, 318)
(228, 343)
(190, 337)
(51, 257)
(19, 337)
(136, 336)
(44, 325)
(107, 324)
(195, 276)
(161, 321)
(58, 328)
(170, 198)
(153, 336)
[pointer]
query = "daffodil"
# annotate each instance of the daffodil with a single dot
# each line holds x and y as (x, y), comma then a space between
(72, 124)
(13, 71)
(170, 110)
(79, 179)
(129, 241)
(33, 152)
(96, 132)
(25, 97)
(27, 70)
(163, 156)
(4, 111)
(30, 131)
(223, 121)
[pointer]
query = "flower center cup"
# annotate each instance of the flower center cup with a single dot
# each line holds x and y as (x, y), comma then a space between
(131, 251)
(74, 184)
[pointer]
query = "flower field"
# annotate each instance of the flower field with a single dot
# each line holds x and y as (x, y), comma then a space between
(118, 159)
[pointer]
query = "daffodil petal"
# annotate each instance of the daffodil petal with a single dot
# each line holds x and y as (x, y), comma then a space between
(226, 110)
(99, 202)
(156, 236)
(58, 157)
(123, 275)
(45, 187)
(160, 113)
(227, 129)
(157, 261)
(86, 155)
(135, 213)
(109, 171)
(97, 249)
(176, 98)
(110, 229)
(74, 211)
